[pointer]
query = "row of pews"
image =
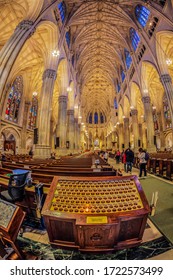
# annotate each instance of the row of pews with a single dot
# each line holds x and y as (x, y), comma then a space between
(159, 164)
(43, 171)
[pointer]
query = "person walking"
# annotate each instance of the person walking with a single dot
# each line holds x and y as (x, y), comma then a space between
(142, 162)
(123, 160)
(129, 160)
(117, 156)
(106, 156)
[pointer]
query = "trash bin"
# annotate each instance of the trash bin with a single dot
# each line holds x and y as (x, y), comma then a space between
(23, 171)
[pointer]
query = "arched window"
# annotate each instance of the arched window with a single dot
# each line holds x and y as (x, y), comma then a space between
(115, 104)
(72, 60)
(33, 113)
(96, 118)
(101, 118)
(134, 37)
(67, 36)
(118, 87)
(142, 15)
(155, 121)
(122, 74)
(14, 99)
(167, 113)
(90, 118)
(127, 58)
(62, 10)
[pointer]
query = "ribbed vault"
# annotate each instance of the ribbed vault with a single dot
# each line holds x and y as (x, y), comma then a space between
(99, 34)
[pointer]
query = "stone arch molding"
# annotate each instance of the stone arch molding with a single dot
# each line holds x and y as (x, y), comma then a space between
(29, 143)
(8, 131)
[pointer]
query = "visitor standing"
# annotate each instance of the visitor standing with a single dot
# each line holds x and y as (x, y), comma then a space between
(123, 160)
(106, 156)
(129, 160)
(117, 156)
(142, 162)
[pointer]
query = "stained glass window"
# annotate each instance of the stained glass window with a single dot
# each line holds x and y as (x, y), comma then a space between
(128, 58)
(167, 114)
(90, 118)
(62, 10)
(122, 74)
(115, 104)
(14, 99)
(155, 121)
(134, 37)
(101, 118)
(67, 36)
(142, 15)
(33, 113)
(96, 118)
(118, 87)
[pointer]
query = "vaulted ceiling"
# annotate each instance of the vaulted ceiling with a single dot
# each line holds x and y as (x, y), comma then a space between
(99, 34)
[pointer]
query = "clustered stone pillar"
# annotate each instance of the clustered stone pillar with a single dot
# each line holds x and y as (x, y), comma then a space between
(43, 149)
(126, 133)
(168, 86)
(79, 136)
(62, 128)
(162, 136)
(22, 149)
(70, 129)
(140, 135)
(149, 123)
(76, 134)
(134, 114)
(121, 136)
(10, 52)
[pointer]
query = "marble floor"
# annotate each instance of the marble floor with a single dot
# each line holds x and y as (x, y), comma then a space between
(154, 244)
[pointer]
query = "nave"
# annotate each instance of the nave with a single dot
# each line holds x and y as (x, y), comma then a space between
(81, 77)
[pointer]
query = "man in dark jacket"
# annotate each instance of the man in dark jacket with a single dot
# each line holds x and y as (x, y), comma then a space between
(129, 160)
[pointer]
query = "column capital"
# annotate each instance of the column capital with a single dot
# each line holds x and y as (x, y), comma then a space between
(50, 74)
(134, 112)
(76, 120)
(146, 99)
(62, 98)
(24, 25)
(70, 112)
(166, 78)
(27, 103)
(126, 120)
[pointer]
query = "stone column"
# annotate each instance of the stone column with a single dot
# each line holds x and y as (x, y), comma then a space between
(149, 123)
(22, 149)
(70, 129)
(126, 133)
(79, 137)
(168, 87)
(52, 136)
(140, 135)
(76, 134)
(134, 114)
(10, 51)
(121, 136)
(62, 125)
(43, 149)
(162, 136)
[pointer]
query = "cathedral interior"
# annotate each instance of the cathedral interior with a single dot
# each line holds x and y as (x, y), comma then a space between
(79, 78)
